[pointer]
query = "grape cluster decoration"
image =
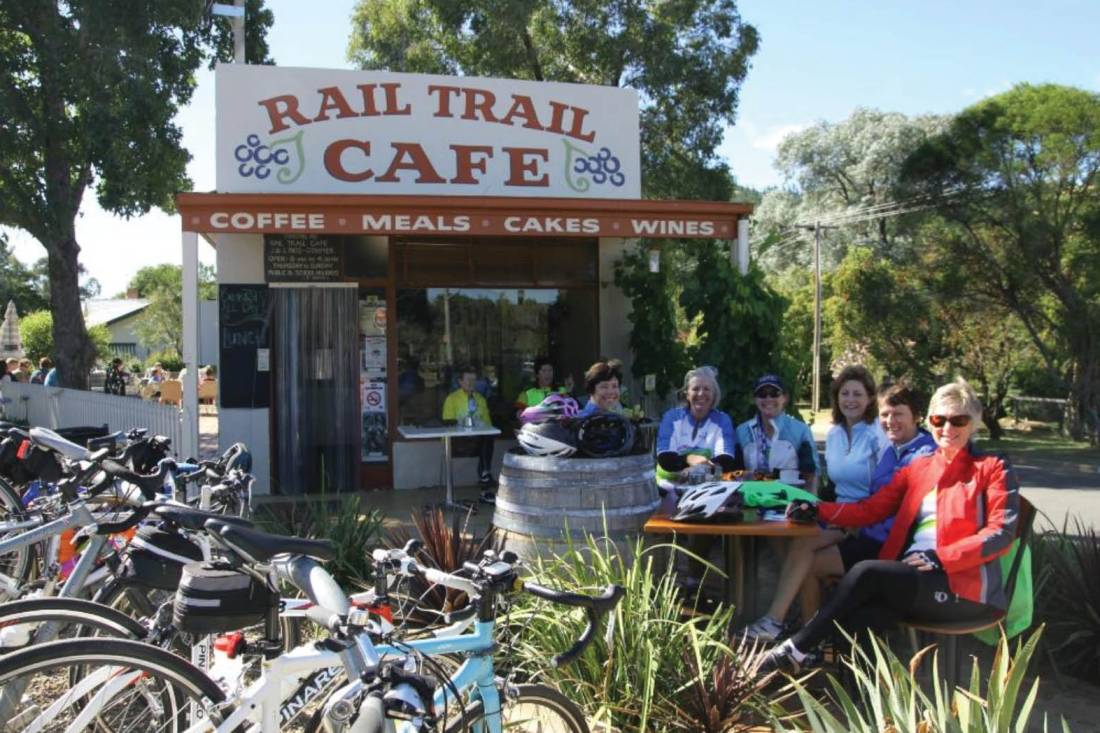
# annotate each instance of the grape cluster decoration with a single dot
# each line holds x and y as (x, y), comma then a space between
(603, 167)
(256, 159)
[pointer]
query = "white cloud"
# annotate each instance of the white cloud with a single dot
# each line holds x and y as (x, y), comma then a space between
(770, 138)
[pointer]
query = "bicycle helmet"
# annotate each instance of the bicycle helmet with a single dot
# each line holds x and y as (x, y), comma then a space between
(549, 438)
(553, 407)
(237, 456)
(773, 494)
(712, 500)
(604, 435)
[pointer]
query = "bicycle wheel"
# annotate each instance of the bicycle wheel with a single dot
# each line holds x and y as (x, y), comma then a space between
(535, 709)
(71, 617)
(16, 564)
(136, 601)
(101, 685)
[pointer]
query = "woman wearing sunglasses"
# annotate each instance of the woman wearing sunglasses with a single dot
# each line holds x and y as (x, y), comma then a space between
(955, 514)
(773, 441)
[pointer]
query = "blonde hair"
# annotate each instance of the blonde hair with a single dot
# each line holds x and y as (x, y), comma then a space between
(958, 394)
(707, 374)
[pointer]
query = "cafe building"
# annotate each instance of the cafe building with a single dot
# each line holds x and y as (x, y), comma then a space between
(373, 231)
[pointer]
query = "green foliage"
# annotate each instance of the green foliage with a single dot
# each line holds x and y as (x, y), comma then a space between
(888, 697)
(169, 359)
(634, 677)
(1067, 597)
(796, 348)
(36, 332)
(161, 323)
(1013, 180)
(354, 532)
(687, 60)
(90, 94)
(739, 323)
(17, 282)
(654, 337)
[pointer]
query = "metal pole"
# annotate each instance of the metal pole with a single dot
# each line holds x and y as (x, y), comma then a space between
(743, 245)
(815, 402)
(238, 33)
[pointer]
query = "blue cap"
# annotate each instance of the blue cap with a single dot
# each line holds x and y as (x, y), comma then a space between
(768, 380)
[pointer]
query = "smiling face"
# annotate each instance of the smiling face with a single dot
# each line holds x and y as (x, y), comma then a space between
(467, 382)
(898, 422)
(545, 376)
(853, 400)
(700, 396)
(770, 401)
(951, 438)
(606, 394)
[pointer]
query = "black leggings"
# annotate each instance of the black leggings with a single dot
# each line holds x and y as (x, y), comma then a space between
(877, 594)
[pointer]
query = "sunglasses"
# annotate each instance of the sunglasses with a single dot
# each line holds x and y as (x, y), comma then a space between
(769, 392)
(958, 421)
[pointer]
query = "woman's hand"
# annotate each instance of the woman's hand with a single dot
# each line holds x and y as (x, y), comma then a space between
(924, 561)
(696, 459)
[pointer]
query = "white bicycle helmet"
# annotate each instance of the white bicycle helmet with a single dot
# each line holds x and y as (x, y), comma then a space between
(712, 500)
(547, 439)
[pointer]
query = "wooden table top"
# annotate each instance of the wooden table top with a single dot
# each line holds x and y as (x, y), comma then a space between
(660, 524)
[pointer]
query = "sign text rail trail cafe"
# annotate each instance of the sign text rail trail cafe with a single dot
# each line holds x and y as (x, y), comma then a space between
(287, 130)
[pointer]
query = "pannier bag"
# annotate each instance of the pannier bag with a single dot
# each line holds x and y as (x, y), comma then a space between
(42, 463)
(155, 558)
(213, 598)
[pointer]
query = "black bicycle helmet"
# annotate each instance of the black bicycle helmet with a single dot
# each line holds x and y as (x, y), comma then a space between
(237, 456)
(547, 439)
(605, 435)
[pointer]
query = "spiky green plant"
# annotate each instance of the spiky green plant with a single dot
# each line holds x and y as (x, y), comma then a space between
(1067, 598)
(634, 677)
(885, 695)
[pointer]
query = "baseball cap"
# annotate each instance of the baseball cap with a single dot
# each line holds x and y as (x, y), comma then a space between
(768, 380)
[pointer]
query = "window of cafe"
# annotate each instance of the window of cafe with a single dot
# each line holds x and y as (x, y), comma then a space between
(494, 305)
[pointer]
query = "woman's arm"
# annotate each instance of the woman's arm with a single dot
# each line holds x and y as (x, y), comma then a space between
(881, 505)
(1002, 499)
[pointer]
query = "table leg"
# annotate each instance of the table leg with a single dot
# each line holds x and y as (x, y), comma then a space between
(735, 573)
(449, 502)
(750, 567)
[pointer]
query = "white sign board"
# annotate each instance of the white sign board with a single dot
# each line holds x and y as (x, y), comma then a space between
(287, 130)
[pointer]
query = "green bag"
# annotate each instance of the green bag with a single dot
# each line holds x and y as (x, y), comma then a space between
(1022, 606)
(773, 494)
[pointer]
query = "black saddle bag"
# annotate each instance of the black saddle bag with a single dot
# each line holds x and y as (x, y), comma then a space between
(155, 558)
(214, 598)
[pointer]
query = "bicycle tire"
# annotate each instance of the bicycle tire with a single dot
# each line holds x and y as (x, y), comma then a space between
(163, 682)
(15, 564)
(83, 617)
(546, 709)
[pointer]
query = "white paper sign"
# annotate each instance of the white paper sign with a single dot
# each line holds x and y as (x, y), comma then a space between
(292, 130)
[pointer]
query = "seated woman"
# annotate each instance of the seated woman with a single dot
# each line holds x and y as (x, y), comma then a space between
(696, 434)
(956, 512)
(774, 441)
(834, 551)
(602, 381)
(544, 386)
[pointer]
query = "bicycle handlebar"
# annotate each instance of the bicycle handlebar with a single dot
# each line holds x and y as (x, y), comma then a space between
(594, 607)
(136, 516)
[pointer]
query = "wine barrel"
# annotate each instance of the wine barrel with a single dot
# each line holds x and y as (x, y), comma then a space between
(543, 500)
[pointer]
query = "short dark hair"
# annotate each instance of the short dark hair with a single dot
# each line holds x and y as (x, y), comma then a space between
(853, 373)
(602, 371)
(540, 362)
(467, 369)
(45, 363)
(903, 393)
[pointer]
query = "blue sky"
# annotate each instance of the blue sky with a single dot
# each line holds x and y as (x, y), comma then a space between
(817, 61)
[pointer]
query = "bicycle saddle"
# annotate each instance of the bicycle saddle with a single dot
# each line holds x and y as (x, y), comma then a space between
(53, 441)
(194, 519)
(261, 546)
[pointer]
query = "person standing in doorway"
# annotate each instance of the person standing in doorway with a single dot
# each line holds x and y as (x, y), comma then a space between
(467, 407)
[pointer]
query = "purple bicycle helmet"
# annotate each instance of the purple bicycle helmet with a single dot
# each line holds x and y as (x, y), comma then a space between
(553, 407)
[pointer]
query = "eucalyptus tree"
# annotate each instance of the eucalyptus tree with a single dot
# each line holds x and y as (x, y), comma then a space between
(89, 90)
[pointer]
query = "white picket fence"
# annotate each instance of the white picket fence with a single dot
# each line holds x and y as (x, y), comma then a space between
(55, 407)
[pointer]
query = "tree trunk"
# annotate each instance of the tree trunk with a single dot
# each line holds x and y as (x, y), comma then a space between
(73, 354)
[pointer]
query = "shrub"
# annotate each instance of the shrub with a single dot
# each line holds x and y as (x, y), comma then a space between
(1067, 597)
(651, 670)
(36, 334)
(885, 696)
(169, 359)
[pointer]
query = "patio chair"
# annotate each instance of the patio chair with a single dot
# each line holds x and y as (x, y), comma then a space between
(208, 394)
(946, 635)
(171, 392)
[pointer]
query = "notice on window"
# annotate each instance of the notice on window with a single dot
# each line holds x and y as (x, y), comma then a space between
(373, 398)
(302, 258)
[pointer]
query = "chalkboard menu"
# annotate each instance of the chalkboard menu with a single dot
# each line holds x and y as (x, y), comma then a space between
(302, 258)
(244, 345)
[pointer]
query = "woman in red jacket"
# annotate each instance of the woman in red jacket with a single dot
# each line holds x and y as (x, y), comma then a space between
(956, 512)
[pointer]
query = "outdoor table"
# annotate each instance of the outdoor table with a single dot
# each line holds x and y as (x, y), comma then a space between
(739, 559)
(446, 433)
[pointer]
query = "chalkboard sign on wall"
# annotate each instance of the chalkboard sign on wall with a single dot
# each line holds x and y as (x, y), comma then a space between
(243, 344)
(302, 258)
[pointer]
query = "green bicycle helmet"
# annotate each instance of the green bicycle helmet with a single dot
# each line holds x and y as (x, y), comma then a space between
(773, 494)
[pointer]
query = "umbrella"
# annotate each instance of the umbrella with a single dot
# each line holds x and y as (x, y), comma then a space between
(10, 343)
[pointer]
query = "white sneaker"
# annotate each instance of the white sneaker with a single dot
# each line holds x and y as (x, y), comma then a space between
(764, 628)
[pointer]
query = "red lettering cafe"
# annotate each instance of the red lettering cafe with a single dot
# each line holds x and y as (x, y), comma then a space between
(374, 230)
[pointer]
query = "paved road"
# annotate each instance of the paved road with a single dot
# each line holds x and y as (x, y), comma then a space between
(1061, 491)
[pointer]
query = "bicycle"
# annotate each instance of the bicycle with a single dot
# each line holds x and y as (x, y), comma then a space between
(122, 679)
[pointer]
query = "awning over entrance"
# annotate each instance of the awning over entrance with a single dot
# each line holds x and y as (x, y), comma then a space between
(213, 213)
